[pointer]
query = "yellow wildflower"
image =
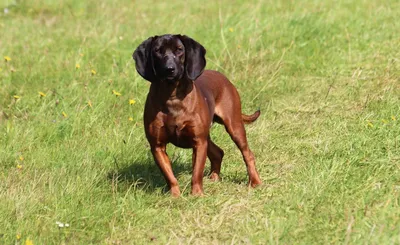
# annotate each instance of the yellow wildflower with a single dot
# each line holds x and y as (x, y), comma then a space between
(132, 101)
(238, 46)
(64, 114)
(21, 158)
(130, 119)
(41, 94)
(93, 71)
(89, 103)
(116, 93)
(19, 166)
(393, 118)
(18, 236)
(7, 58)
(28, 242)
(231, 29)
(370, 124)
(16, 97)
(81, 54)
(77, 66)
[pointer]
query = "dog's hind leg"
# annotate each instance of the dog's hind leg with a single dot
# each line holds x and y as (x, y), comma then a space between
(235, 127)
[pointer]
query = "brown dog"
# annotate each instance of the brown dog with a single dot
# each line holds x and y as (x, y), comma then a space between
(182, 104)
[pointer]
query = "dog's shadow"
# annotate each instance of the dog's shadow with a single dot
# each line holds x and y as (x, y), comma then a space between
(145, 175)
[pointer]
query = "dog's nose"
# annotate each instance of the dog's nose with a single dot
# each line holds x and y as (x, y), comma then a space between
(170, 69)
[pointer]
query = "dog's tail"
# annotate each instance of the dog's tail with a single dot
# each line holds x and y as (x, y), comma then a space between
(250, 118)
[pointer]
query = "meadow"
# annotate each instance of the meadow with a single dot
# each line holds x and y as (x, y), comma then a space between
(75, 167)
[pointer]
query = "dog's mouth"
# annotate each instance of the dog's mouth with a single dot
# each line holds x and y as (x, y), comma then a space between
(170, 77)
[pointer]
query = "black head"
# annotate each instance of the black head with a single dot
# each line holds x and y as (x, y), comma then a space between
(170, 58)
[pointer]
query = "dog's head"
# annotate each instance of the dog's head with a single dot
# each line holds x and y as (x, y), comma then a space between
(169, 58)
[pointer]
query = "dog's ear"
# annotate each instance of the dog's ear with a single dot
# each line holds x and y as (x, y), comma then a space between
(195, 60)
(143, 60)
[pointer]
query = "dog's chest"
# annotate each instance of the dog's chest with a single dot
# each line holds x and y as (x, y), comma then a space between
(173, 108)
(175, 126)
(176, 123)
(179, 132)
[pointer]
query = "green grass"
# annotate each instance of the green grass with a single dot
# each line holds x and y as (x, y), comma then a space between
(325, 75)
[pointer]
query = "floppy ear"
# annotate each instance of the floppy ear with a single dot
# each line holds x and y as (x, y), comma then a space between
(143, 61)
(195, 60)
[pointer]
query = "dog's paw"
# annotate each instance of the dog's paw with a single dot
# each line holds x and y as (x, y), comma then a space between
(254, 183)
(214, 177)
(175, 192)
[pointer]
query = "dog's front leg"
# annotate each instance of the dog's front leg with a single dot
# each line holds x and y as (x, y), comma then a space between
(199, 161)
(163, 162)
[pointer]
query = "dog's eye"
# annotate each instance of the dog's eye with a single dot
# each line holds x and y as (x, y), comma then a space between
(179, 49)
(157, 50)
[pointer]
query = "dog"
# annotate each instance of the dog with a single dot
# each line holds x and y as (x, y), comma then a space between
(183, 102)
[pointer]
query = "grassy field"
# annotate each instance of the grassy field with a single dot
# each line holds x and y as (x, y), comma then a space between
(75, 167)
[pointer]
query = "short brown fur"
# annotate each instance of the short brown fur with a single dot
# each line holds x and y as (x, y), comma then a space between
(182, 104)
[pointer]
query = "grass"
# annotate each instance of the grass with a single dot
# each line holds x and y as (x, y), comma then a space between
(325, 75)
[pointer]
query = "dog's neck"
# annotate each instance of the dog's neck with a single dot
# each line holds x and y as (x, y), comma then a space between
(169, 94)
(171, 90)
